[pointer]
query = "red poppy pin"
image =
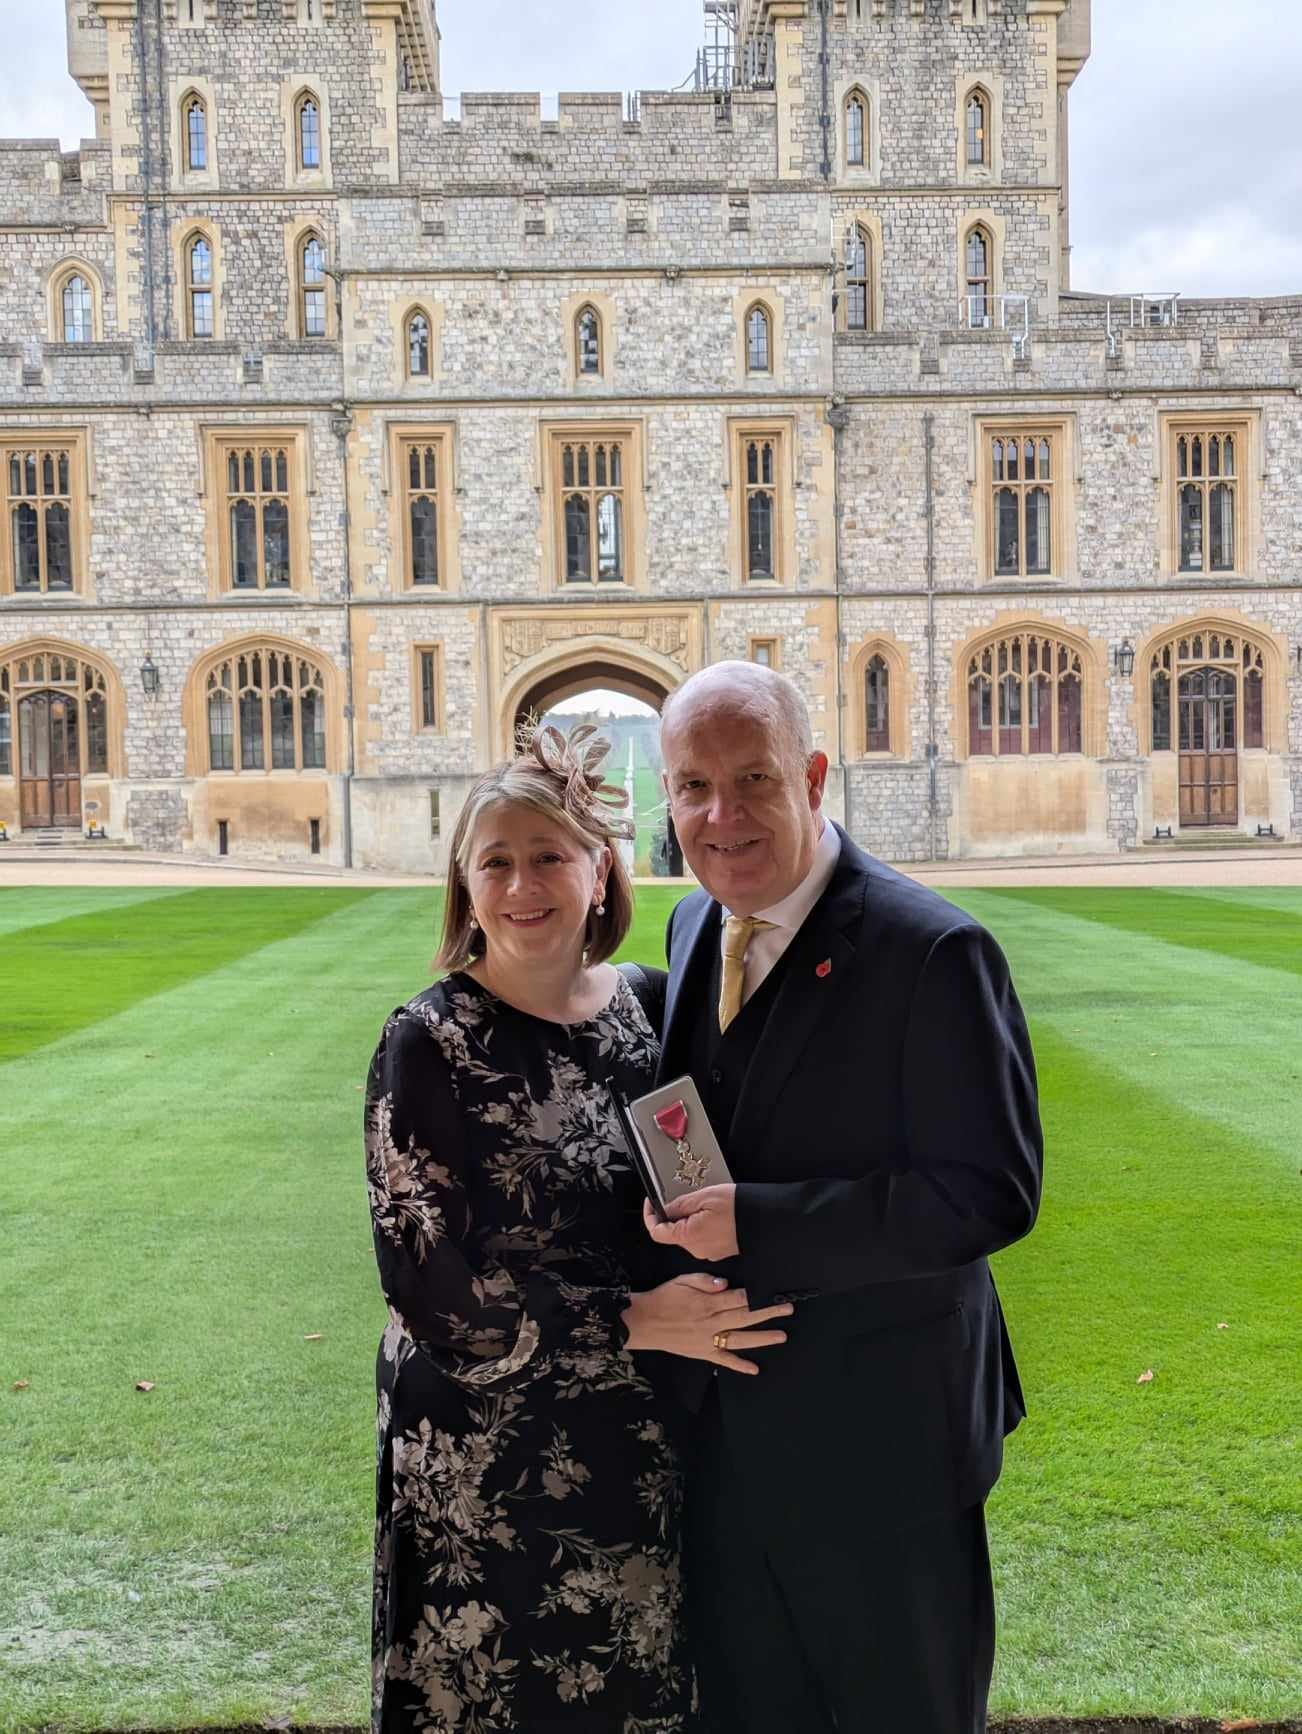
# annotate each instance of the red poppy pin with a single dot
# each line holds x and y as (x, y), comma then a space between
(824, 969)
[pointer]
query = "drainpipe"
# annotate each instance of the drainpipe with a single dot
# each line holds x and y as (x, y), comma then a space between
(933, 749)
(825, 112)
(838, 419)
(147, 177)
(342, 426)
(160, 105)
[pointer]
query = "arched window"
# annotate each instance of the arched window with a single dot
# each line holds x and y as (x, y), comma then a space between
(194, 113)
(978, 129)
(198, 287)
(1025, 695)
(858, 279)
(978, 259)
(80, 692)
(1207, 665)
(77, 304)
(759, 340)
(266, 711)
(307, 131)
(587, 341)
(877, 705)
(856, 130)
(312, 286)
(417, 345)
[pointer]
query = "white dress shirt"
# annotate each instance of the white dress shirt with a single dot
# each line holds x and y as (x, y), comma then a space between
(788, 916)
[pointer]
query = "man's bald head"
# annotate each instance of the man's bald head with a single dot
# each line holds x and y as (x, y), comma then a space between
(744, 782)
(749, 690)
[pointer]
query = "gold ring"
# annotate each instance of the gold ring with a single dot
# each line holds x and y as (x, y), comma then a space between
(721, 1340)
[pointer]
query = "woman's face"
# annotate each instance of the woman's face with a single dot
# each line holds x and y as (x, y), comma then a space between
(532, 885)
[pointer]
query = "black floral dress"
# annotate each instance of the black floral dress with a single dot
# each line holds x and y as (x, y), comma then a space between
(526, 1574)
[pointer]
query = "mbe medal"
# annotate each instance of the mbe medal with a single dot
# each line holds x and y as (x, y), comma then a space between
(692, 1168)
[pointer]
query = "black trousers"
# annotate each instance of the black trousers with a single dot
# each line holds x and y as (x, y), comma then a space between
(864, 1630)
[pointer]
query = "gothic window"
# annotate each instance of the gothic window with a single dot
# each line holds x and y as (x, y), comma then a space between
(77, 304)
(418, 346)
(1025, 695)
(587, 346)
(1207, 664)
(858, 279)
(307, 131)
(877, 705)
(1207, 499)
(311, 287)
(759, 340)
(199, 287)
(420, 459)
(39, 482)
(856, 130)
(978, 129)
(6, 726)
(195, 114)
(265, 710)
(84, 690)
(1024, 469)
(760, 477)
(257, 502)
(978, 262)
(592, 492)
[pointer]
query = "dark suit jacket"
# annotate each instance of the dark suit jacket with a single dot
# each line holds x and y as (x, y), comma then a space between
(886, 1140)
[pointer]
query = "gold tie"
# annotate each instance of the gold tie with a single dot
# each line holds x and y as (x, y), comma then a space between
(738, 932)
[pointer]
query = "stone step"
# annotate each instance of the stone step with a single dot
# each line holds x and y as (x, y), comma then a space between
(1216, 840)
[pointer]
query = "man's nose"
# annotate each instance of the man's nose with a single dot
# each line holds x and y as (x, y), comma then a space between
(726, 806)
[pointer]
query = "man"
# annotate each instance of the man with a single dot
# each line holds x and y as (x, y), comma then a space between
(862, 1054)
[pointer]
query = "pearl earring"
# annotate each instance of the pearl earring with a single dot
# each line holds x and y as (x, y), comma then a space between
(601, 909)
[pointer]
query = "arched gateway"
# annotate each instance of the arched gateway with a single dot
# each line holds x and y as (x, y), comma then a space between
(555, 687)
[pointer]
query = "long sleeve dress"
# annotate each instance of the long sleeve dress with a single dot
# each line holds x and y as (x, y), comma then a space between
(526, 1564)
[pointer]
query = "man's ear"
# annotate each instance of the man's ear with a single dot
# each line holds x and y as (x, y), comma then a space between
(816, 779)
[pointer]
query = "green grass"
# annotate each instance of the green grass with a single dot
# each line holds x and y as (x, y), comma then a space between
(182, 1202)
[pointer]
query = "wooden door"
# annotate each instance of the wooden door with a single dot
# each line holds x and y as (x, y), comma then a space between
(49, 761)
(1209, 748)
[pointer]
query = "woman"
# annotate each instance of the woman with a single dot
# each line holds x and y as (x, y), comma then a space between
(527, 1527)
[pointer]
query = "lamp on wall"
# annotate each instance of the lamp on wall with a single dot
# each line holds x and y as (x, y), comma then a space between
(1123, 659)
(149, 676)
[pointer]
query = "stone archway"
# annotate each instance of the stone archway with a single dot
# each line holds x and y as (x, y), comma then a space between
(598, 672)
(558, 684)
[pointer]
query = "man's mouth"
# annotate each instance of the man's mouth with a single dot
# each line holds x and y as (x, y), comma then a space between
(733, 850)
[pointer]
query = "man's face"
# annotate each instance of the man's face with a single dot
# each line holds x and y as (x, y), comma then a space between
(745, 804)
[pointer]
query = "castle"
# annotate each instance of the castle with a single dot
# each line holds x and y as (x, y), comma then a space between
(340, 429)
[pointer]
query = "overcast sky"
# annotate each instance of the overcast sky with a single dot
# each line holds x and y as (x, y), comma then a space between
(1186, 160)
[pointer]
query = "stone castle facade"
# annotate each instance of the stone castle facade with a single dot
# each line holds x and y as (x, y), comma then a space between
(336, 432)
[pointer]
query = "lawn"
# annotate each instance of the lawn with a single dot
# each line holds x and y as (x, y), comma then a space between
(182, 1201)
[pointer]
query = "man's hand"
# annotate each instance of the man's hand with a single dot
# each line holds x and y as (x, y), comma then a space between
(703, 1223)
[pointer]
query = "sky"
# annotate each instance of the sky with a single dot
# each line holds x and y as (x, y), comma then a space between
(1186, 153)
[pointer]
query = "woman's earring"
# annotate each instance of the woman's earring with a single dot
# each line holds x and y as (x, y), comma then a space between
(474, 919)
(601, 909)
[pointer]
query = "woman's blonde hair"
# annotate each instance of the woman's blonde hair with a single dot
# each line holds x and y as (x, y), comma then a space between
(562, 779)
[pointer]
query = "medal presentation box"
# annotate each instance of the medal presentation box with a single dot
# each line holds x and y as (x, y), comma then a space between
(672, 1142)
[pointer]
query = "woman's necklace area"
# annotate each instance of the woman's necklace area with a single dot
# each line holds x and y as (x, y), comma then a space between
(583, 1004)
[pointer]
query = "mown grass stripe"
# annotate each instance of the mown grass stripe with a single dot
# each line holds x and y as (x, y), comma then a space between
(1264, 936)
(24, 906)
(65, 976)
(1199, 1028)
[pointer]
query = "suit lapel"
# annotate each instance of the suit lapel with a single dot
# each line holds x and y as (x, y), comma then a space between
(696, 932)
(809, 995)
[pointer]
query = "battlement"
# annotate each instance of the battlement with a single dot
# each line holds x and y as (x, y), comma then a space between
(42, 185)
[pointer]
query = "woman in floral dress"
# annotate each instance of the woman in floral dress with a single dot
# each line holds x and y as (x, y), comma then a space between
(526, 1575)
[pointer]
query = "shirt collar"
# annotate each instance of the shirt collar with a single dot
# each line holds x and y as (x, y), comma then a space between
(793, 909)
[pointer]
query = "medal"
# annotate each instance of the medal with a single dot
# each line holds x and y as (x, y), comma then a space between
(672, 1121)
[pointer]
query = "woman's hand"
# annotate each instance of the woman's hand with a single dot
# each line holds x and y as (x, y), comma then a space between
(684, 1316)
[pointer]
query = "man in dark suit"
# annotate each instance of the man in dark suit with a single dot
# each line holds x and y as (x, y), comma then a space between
(862, 1054)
